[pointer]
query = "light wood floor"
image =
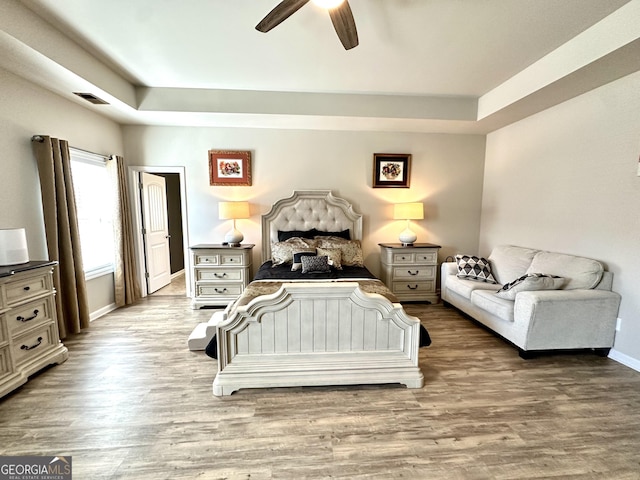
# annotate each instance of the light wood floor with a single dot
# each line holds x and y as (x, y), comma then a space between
(132, 402)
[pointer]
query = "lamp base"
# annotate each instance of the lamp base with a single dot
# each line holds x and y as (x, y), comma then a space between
(407, 237)
(234, 237)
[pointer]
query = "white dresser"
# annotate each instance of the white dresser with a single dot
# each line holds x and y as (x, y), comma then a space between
(410, 272)
(29, 339)
(220, 273)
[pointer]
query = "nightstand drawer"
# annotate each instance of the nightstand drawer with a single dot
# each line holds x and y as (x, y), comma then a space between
(410, 287)
(403, 258)
(25, 289)
(206, 259)
(219, 289)
(220, 274)
(415, 272)
(427, 257)
(231, 259)
(28, 316)
(34, 344)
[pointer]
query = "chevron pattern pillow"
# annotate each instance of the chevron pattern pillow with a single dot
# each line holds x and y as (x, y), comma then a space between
(471, 267)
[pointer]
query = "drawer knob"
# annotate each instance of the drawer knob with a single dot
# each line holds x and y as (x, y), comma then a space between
(35, 345)
(412, 288)
(220, 291)
(27, 288)
(411, 273)
(24, 320)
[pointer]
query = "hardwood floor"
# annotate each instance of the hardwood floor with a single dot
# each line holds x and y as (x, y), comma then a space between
(132, 402)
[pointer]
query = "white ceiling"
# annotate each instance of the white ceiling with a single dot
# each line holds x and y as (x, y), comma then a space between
(422, 65)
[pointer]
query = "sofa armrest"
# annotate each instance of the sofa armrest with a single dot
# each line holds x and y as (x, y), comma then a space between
(449, 268)
(567, 318)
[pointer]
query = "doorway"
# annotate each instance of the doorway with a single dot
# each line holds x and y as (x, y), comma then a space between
(178, 228)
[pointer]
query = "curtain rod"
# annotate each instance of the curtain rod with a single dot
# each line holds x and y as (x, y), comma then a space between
(40, 139)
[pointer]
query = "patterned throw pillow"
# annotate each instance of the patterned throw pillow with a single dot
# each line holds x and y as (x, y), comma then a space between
(351, 250)
(471, 267)
(297, 258)
(334, 255)
(282, 252)
(315, 264)
(530, 282)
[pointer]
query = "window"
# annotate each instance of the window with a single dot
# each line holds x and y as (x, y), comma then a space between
(94, 201)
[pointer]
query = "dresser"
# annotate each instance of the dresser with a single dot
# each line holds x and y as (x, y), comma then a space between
(410, 272)
(220, 273)
(29, 339)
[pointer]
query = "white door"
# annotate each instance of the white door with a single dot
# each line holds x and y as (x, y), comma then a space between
(156, 231)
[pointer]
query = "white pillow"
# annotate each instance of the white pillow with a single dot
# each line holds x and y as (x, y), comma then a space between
(530, 282)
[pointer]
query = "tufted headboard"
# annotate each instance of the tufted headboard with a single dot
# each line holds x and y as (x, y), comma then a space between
(307, 209)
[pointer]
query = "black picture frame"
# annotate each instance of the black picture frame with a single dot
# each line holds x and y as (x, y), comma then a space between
(391, 170)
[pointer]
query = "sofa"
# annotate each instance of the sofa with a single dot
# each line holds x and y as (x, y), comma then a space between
(535, 299)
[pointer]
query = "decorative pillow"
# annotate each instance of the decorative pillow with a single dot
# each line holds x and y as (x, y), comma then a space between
(351, 250)
(315, 264)
(282, 252)
(334, 255)
(530, 282)
(297, 258)
(471, 267)
(343, 234)
(286, 235)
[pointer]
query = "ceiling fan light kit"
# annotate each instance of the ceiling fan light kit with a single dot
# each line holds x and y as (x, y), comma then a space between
(339, 11)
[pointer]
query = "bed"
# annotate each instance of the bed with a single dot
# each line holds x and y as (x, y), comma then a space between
(316, 325)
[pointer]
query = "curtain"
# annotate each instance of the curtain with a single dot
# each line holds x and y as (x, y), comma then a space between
(61, 228)
(127, 286)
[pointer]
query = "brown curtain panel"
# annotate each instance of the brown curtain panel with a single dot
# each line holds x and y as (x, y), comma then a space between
(127, 286)
(63, 238)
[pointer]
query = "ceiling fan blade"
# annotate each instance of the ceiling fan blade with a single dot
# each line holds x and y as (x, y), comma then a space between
(280, 13)
(345, 25)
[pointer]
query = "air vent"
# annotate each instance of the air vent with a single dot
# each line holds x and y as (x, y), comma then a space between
(89, 97)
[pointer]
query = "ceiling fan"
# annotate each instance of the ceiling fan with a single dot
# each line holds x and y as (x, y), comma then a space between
(339, 11)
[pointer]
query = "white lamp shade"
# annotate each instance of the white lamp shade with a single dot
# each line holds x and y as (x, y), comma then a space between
(233, 210)
(13, 246)
(408, 211)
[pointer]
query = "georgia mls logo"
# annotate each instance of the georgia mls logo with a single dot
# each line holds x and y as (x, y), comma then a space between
(35, 468)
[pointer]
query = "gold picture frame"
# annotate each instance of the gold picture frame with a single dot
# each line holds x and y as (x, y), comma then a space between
(230, 167)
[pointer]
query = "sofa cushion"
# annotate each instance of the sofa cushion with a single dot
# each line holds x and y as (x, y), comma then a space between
(464, 288)
(530, 282)
(474, 268)
(579, 272)
(490, 302)
(509, 262)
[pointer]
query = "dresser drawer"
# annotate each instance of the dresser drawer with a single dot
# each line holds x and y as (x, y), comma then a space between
(33, 344)
(410, 287)
(207, 259)
(415, 272)
(403, 258)
(27, 288)
(427, 257)
(29, 316)
(220, 274)
(218, 289)
(231, 259)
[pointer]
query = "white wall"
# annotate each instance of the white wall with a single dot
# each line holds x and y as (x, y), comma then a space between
(565, 180)
(27, 110)
(446, 175)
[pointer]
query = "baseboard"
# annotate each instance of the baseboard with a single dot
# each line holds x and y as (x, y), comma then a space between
(625, 360)
(102, 311)
(177, 274)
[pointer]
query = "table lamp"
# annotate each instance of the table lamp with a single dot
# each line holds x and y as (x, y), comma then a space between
(233, 211)
(408, 212)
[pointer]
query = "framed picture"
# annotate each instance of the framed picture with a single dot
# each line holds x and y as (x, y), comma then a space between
(228, 168)
(391, 170)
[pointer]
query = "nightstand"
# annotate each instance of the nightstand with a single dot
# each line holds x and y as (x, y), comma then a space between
(220, 273)
(410, 272)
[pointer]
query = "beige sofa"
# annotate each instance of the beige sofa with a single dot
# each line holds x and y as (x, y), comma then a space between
(540, 312)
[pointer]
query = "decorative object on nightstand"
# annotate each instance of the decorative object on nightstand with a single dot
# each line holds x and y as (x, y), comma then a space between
(408, 212)
(29, 338)
(410, 271)
(220, 273)
(233, 211)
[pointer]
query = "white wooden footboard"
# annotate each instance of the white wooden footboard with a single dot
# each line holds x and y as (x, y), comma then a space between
(317, 334)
